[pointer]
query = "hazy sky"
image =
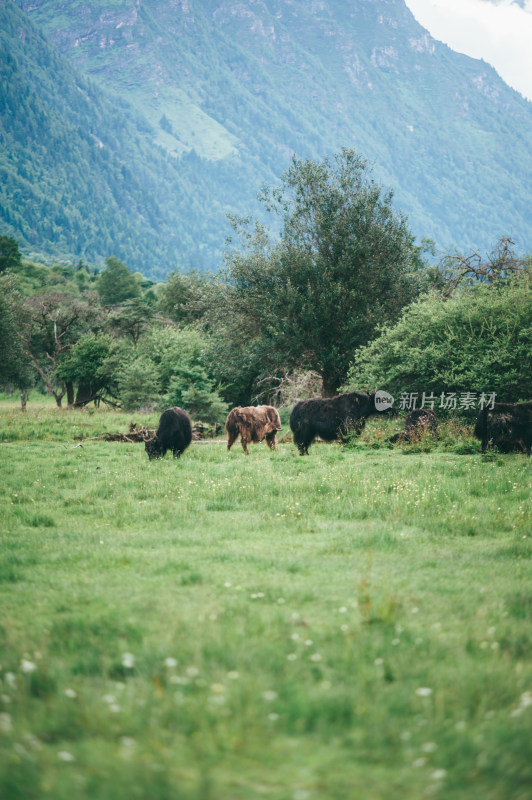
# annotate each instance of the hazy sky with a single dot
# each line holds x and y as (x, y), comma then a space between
(499, 31)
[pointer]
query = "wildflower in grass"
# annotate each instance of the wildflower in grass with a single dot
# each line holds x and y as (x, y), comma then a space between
(128, 660)
(344, 628)
(227, 584)
(217, 699)
(11, 680)
(5, 722)
(71, 693)
(127, 741)
(424, 691)
(309, 642)
(378, 662)
(192, 672)
(291, 657)
(315, 657)
(419, 762)
(217, 688)
(170, 662)
(114, 707)
(438, 774)
(27, 666)
(233, 675)
(342, 610)
(395, 642)
(281, 600)
(109, 698)
(429, 747)
(273, 716)
(270, 695)
(64, 755)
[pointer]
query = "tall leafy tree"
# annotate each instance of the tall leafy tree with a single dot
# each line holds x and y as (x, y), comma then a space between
(53, 323)
(10, 257)
(117, 282)
(344, 264)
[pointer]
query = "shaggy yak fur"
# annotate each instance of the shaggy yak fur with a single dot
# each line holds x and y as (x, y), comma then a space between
(252, 424)
(331, 418)
(417, 423)
(174, 433)
(506, 425)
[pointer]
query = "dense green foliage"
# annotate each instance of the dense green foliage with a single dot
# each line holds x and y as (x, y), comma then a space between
(117, 283)
(11, 342)
(344, 264)
(354, 624)
(10, 257)
(478, 340)
(199, 103)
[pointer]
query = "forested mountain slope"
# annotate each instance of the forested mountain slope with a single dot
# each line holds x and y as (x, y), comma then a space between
(224, 92)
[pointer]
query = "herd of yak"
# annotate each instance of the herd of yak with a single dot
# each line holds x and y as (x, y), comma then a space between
(505, 425)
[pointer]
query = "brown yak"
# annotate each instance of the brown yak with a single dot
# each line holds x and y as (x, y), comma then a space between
(252, 424)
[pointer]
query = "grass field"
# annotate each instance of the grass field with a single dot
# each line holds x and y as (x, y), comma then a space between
(351, 624)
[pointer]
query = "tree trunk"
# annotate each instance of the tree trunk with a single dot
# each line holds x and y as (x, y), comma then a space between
(84, 394)
(23, 399)
(70, 393)
(330, 385)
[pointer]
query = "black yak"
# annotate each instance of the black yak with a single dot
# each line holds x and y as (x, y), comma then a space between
(252, 424)
(174, 433)
(417, 423)
(506, 425)
(331, 418)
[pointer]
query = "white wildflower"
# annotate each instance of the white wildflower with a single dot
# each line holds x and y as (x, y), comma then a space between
(270, 695)
(170, 662)
(64, 755)
(27, 666)
(128, 660)
(424, 691)
(71, 693)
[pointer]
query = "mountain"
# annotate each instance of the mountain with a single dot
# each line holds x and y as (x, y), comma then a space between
(210, 98)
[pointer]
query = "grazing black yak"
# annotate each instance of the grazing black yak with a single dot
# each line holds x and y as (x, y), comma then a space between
(174, 433)
(506, 425)
(417, 423)
(331, 418)
(252, 424)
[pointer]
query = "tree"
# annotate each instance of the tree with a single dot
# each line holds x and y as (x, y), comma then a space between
(85, 365)
(345, 263)
(10, 257)
(117, 282)
(15, 368)
(132, 318)
(462, 271)
(53, 323)
(478, 340)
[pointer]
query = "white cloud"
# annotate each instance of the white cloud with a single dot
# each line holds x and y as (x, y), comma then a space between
(499, 31)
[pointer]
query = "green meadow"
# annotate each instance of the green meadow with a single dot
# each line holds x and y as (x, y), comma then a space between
(351, 624)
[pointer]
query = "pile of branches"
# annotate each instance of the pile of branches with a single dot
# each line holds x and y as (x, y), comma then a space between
(136, 433)
(140, 433)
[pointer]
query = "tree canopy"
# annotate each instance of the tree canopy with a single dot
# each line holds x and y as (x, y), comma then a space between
(344, 264)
